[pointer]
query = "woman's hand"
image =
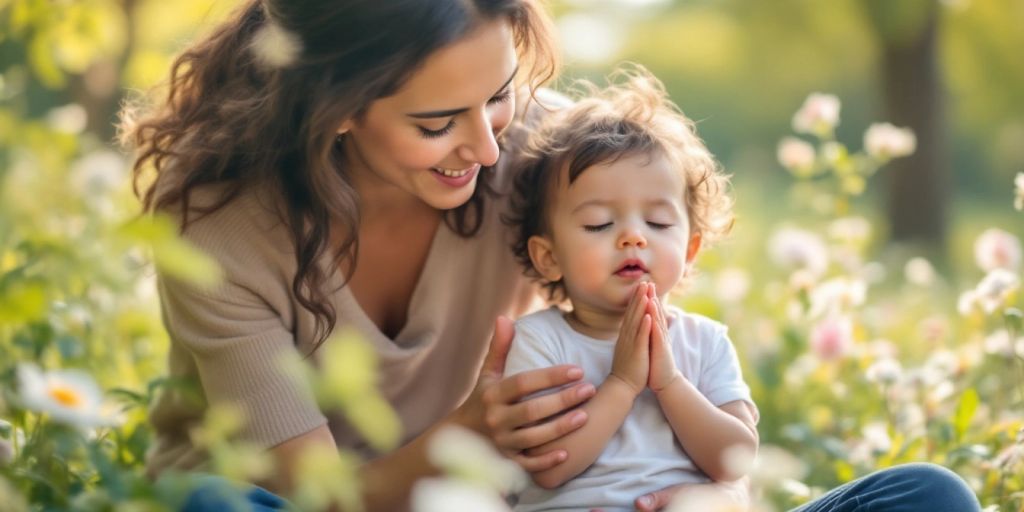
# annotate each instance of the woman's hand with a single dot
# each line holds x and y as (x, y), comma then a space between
(631, 361)
(663, 365)
(494, 409)
(736, 493)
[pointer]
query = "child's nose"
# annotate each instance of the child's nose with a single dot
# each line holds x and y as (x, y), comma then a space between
(632, 238)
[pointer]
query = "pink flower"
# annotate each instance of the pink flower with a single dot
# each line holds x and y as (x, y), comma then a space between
(832, 338)
(797, 156)
(819, 115)
(885, 141)
(996, 248)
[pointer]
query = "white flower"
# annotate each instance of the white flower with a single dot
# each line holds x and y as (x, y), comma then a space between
(70, 118)
(68, 396)
(996, 248)
(275, 47)
(732, 285)
(885, 141)
(463, 453)
(884, 371)
(1000, 344)
(919, 271)
(968, 303)
(796, 155)
(832, 338)
(850, 230)
(96, 173)
(796, 249)
(1018, 200)
(819, 115)
(995, 288)
(450, 495)
(838, 295)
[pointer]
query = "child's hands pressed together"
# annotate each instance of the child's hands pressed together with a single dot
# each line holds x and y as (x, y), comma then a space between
(663, 366)
(631, 362)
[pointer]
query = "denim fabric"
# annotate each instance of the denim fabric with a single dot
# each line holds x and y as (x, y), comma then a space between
(907, 488)
(214, 494)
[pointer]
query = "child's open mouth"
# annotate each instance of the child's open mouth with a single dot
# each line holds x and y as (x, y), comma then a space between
(631, 269)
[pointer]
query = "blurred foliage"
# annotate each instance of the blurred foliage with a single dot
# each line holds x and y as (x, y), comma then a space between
(912, 379)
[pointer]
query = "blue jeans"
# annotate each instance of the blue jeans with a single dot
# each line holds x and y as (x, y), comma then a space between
(907, 488)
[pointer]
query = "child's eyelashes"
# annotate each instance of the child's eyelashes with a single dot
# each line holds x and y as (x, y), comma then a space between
(659, 225)
(595, 228)
(433, 134)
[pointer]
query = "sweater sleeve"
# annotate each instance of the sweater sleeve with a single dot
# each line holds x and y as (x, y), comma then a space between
(236, 333)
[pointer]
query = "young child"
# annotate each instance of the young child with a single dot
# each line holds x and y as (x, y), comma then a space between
(616, 196)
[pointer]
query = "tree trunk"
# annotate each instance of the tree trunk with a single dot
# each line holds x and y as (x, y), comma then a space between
(919, 185)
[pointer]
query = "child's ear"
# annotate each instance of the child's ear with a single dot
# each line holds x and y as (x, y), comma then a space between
(542, 254)
(692, 248)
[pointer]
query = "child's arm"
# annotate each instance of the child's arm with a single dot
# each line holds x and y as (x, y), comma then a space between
(614, 399)
(704, 430)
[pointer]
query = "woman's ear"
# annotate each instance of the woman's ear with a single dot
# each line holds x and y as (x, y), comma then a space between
(542, 255)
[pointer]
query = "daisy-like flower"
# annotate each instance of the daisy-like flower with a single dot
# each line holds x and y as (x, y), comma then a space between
(67, 396)
(451, 495)
(819, 115)
(996, 248)
(884, 371)
(464, 454)
(796, 249)
(885, 141)
(838, 295)
(1018, 200)
(995, 288)
(796, 155)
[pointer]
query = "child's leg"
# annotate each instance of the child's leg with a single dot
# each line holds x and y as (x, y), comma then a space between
(907, 488)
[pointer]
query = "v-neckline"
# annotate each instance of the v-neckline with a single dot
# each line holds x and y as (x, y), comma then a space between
(367, 326)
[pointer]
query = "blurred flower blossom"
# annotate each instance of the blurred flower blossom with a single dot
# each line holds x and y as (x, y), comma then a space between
(96, 173)
(1018, 200)
(996, 248)
(853, 231)
(732, 285)
(999, 344)
(819, 115)
(837, 295)
(919, 271)
(275, 47)
(995, 288)
(832, 338)
(884, 371)
(462, 453)
(451, 495)
(875, 441)
(70, 118)
(794, 249)
(68, 396)
(885, 141)
(934, 328)
(796, 155)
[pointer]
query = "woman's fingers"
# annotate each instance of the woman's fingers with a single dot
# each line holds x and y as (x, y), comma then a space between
(538, 435)
(536, 409)
(512, 389)
(535, 463)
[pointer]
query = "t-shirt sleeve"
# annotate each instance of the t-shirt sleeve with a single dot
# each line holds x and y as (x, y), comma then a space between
(238, 340)
(530, 350)
(721, 377)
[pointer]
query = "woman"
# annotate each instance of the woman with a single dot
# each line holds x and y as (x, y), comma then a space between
(345, 162)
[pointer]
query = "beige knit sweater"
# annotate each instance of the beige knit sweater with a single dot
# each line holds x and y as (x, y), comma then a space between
(227, 341)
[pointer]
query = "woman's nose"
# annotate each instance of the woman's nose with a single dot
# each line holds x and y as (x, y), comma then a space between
(482, 145)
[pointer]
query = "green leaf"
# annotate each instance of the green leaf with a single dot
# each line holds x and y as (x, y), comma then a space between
(965, 411)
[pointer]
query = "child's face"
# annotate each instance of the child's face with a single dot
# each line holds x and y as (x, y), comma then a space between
(618, 224)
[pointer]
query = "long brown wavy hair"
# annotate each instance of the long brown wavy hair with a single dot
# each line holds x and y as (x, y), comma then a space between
(235, 117)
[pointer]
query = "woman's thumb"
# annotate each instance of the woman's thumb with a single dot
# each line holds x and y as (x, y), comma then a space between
(501, 342)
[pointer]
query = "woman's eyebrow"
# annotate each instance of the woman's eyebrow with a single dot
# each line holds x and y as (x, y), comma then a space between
(454, 111)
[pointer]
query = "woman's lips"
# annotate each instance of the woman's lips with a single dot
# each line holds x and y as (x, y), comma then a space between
(455, 178)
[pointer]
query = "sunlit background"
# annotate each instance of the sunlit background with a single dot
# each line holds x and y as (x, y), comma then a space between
(876, 313)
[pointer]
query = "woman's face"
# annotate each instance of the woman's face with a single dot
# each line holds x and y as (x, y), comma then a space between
(431, 137)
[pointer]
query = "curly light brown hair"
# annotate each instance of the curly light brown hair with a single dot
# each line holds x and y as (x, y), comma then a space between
(632, 116)
(234, 116)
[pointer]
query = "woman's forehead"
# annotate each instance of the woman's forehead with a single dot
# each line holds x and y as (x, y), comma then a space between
(463, 73)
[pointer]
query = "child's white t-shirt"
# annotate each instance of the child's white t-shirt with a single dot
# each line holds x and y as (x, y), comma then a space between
(643, 456)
